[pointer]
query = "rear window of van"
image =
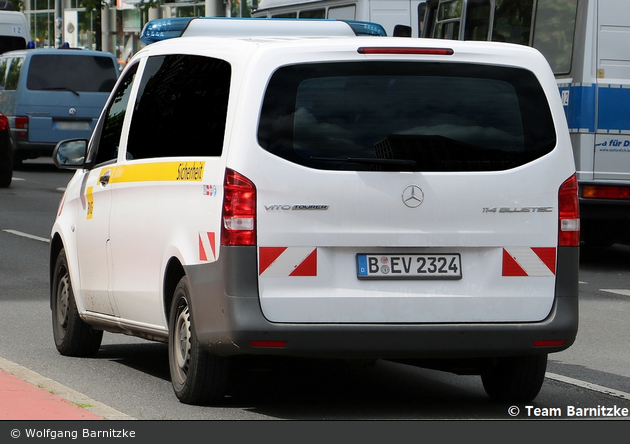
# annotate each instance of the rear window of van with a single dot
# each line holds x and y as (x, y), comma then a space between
(406, 116)
(52, 72)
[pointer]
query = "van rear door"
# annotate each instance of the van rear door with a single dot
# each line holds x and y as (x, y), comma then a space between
(408, 191)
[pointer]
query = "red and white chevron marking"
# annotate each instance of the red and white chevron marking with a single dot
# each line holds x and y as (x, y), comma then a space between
(526, 261)
(207, 249)
(287, 261)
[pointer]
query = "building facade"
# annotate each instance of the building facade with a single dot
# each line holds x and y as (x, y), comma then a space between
(116, 27)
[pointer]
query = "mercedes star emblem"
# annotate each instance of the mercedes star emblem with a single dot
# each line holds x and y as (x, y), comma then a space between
(413, 196)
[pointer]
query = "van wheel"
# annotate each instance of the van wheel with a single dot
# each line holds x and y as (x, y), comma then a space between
(17, 162)
(515, 379)
(198, 377)
(73, 337)
(6, 167)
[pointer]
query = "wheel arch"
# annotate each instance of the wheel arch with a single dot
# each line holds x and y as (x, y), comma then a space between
(56, 245)
(172, 274)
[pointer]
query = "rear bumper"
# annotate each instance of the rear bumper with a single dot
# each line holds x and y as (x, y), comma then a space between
(605, 219)
(33, 150)
(227, 316)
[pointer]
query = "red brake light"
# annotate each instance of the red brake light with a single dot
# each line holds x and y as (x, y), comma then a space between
(21, 122)
(268, 344)
(4, 122)
(550, 343)
(569, 213)
(605, 192)
(397, 50)
(239, 210)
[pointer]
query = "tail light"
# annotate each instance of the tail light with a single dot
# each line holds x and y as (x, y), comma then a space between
(4, 122)
(605, 192)
(21, 123)
(569, 213)
(239, 210)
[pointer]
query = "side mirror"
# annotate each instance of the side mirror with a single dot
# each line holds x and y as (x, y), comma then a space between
(402, 31)
(70, 154)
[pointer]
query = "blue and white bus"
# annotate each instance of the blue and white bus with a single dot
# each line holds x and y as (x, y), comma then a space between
(587, 43)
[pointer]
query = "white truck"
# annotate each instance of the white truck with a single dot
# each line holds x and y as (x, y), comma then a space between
(14, 30)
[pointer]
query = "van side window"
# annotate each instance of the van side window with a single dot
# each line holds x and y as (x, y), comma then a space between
(13, 75)
(3, 71)
(111, 128)
(181, 107)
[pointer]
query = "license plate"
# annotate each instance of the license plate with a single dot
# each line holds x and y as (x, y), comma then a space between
(72, 126)
(409, 266)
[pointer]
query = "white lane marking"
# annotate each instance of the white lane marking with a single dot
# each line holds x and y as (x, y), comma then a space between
(589, 386)
(18, 178)
(621, 292)
(30, 236)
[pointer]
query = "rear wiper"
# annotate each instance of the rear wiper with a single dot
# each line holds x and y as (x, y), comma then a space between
(61, 88)
(367, 160)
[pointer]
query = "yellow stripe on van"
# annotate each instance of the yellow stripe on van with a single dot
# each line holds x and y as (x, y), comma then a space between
(161, 171)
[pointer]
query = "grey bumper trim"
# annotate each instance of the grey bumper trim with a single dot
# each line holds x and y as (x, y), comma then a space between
(227, 315)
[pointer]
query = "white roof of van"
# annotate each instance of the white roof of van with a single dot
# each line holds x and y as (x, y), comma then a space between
(263, 27)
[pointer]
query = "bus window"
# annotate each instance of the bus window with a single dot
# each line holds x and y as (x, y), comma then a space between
(313, 14)
(512, 21)
(342, 12)
(285, 15)
(428, 24)
(554, 32)
(422, 10)
(477, 23)
(448, 19)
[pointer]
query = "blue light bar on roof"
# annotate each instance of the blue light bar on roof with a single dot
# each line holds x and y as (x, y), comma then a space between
(366, 28)
(163, 29)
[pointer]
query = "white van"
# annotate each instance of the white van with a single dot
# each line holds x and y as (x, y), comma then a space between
(14, 31)
(296, 190)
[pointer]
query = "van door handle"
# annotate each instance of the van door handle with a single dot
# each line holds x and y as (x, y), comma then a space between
(104, 179)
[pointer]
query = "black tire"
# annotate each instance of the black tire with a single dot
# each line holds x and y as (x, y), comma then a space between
(198, 377)
(515, 379)
(6, 166)
(73, 337)
(17, 162)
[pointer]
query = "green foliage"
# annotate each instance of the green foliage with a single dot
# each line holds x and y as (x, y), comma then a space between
(18, 4)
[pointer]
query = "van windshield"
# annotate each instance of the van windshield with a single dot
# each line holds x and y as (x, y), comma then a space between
(406, 116)
(58, 72)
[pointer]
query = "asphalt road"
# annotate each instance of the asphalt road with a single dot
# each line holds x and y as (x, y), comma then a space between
(131, 375)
